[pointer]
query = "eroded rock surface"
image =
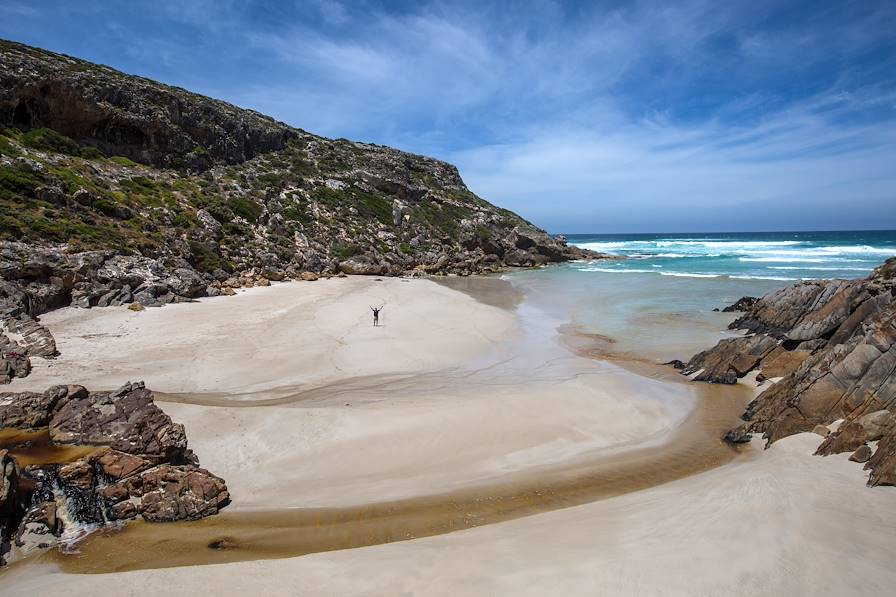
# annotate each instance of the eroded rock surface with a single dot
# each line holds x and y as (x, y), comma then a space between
(833, 343)
(126, 419)
(141, 467)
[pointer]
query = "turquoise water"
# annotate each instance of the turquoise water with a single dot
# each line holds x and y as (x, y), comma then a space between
(659, 303)
(777, 256)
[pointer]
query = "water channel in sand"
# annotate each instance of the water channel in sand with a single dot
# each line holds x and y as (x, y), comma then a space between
(238, 535)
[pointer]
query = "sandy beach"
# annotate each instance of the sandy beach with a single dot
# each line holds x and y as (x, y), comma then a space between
(291, 395)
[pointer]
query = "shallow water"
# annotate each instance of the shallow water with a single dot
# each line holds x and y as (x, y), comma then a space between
(647, 317)
(35, 447)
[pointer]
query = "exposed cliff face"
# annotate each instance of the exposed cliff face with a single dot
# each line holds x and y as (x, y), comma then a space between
(128, 116)
(833, 343)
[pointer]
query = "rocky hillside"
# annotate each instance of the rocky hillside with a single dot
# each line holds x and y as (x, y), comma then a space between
(101, 108)
(831, 346)
(115, 189)
(95, 159)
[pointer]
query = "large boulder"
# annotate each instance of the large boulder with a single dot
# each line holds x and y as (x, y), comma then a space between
(140, 469)
(166, 493)
(9, 489)
(362, 266)
(126, 419)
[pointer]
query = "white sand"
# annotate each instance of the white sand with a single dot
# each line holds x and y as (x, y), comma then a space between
(451, 394)
(477, 398)
(287, 335)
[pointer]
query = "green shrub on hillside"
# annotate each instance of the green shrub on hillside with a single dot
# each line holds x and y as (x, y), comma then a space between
(7, 148)
(370, 205)
(346, 251)
(246, 208)
(17, 181)
(206, 258)
(44, 139)
(123, 161)
(91, 153)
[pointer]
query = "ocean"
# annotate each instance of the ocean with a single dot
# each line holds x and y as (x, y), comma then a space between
(660, 303)
(777, 256)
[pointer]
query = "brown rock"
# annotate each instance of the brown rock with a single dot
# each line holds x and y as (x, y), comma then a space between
(862, 454)
(9, 487)
(729, 359)
(126, 420)
(836, 358)
(29, 410)
(39, 528)
(118, 465)
(180, 493)
(783, 363)
(821, 430)
(309, 276)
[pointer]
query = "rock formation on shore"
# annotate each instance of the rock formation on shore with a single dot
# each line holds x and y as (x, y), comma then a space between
(133, 462)
(832, 343)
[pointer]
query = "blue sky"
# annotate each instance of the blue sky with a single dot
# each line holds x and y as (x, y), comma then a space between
(583, 117)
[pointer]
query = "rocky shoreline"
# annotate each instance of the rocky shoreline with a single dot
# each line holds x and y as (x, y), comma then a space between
(830, 348)
(99, 458)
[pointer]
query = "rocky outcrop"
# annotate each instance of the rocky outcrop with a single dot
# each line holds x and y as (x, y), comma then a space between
(743, 304)
(126, 420)
(833, 344)
(32, 410)
(730, 359)
(141, 467)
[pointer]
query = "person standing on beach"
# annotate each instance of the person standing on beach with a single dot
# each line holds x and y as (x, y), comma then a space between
(376, 315)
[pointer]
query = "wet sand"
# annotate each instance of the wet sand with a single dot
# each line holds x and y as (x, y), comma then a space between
(251, 535)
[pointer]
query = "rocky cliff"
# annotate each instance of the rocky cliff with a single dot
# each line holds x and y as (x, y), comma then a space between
(96, 159)
(116, 189)
(99, 107)
(831, 346)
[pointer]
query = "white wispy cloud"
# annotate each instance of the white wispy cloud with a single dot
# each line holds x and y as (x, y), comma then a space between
(636, 115)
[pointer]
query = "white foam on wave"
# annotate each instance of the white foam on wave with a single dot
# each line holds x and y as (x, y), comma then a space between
(684, 275)
(607, 270)
(779, 278)
(728, 244)
(821, 269)
(783, 259)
